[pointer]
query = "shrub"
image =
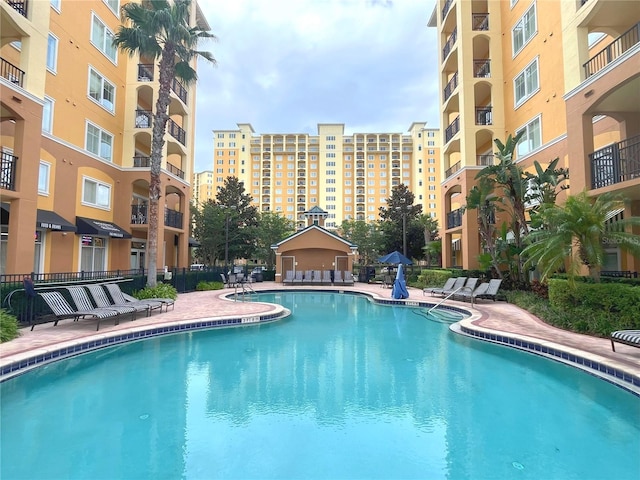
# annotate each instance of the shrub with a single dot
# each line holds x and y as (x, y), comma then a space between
(8, 326)
(202, 286)
(161, 290)
(432, 278)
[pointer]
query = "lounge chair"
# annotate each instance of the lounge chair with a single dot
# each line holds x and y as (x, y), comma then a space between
(348, 278)
(288, 277)
(458, 283)
(298, 278)
(83, 302)
(101, 299)
(468, 287)
(433, 290)
(326, 277)
(626, 337)
(337, 278)
(477, 293)
(63, 309)
(122, 298)
(492, 291)
(317, 276)
(308, 276)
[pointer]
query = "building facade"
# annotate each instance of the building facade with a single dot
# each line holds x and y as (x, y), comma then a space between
(76, 143)
(203, 190)
(566, 73)
(349, 176)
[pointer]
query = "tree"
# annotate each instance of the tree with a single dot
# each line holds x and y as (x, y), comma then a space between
(209, 230)
(160, 30)
(271, 229)
(400, 213)
(430, 230)
(366, 236)
(576, 233)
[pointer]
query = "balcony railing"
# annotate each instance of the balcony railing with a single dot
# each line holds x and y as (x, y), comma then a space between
(482, 68)
(483, 116)
(451, 170)
(144, 118)
(179, 90)
(145, 72)
(451, 41)
(175, 170)
(8, 166)
(445, 8)
(615, 163)
(454, 219)
(12, 73)
(614, 50)
(19, 6)
(484, 160)
(451, 86)
(139, 214)
(172, 218)
(452, 129)
(177, 132)
(480, 22)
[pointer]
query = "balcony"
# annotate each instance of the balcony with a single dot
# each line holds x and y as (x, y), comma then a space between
(139, 214)
(615, 163)
(177, 132)
(453, 169)
(8, 166)
(454, 219)
(614, 50)
(19, 6)
(144, 118)
(175, 170)
(451, 86)
(12, 73)
(451, 41)
(484, 160)
(172, 218)
(480, 22)
(145, 72)
(483, 116)
(452, 129)
(482, 68)
(141, 162)
(445, 8)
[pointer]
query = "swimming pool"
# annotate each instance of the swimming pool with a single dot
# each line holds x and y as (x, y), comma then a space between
(342, 389)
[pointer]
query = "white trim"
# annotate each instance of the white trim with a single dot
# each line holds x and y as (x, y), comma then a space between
(523, 73)
(515, 52)
(54, 68)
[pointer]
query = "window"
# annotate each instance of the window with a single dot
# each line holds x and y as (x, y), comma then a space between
(220, 135)
(93, 254)
(524, 30)
(52, 53)
(101, 90)
(47, 115)
(99, 142)
(114, 5)
(95, 193)
(532, 138)
(43, 178)
(526, 83)
(102, 38)
(55, 4)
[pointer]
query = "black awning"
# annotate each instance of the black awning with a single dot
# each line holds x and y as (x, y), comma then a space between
(91, 226)
(193, 242)
(52, 221)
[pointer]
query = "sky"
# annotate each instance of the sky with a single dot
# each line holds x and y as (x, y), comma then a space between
(286, 65)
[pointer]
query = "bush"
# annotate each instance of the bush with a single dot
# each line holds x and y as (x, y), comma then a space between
(432, 278)
(202, 286)
(161, 290)
(8, 326)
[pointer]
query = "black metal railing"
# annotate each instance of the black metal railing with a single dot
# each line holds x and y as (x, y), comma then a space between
(454, 218)
(612, 51)
(145, 72)
(452, 129)
(484, 160)
(175, 170)
(451, 86)
(141, 162)
(144, 118)
(8, 166)
(480, 21)
(19, 6)
(451, 170)
(445, 8)
(172, 218)
(12, 73)
(482, 68)
(177, 132)
(615, 163)
(139, 214)
(451, 41)
(179, 90)
(483, 116)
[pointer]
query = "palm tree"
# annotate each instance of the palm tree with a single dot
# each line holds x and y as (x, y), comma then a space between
(579, 226)
(160, 30)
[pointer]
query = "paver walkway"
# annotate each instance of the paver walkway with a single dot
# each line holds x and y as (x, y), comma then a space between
(497, 316)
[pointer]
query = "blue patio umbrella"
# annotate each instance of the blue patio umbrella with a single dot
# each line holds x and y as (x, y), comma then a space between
(395, 258)
(399, 289)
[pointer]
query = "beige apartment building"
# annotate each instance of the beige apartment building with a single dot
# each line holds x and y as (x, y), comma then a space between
(349, 176)
(567, 73)
(202, 185)
(76, 143)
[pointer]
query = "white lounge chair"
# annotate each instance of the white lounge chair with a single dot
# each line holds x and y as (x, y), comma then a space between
(348, 278)
(288, 277)
(317, 276)
(326, 277)
(298, 279)
(626, 337)
(62, 309)
(337, 278)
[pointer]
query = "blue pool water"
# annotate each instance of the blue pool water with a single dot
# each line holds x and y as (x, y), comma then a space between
(341, 389)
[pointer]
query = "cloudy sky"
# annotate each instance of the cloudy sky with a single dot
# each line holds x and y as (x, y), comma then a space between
(286, 65)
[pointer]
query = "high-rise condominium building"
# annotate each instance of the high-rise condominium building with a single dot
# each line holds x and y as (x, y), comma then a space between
(349, 176)
(203, 187)
(76, 141)
(566, 73)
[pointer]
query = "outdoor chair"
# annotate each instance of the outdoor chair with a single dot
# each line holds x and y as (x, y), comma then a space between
(63, 309)
(101, 299)
(308, 275)
(492, 291)
(326, 277)
(83, 302)
(469, 286)
(478, 292)
(297, 280)
(458, 283)
(317, 276)
(337, 278)
(348, 278)
(626, 337)
(288, 276)
(120, 298)
(447, 286)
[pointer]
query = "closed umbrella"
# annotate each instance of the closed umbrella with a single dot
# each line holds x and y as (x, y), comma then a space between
(399, 289)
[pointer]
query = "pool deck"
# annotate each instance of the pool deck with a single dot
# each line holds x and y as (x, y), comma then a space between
(487, 318)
